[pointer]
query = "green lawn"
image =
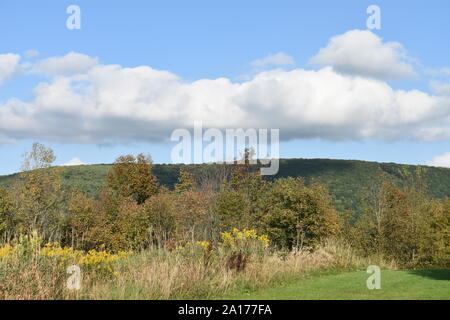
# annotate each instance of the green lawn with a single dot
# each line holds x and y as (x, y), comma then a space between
(417, 284)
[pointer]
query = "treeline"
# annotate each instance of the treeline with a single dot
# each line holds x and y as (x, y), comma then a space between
(133, 211)
(346, 179)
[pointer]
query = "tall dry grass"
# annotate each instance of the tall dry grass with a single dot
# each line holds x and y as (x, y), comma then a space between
(179, 274)
(163, 275)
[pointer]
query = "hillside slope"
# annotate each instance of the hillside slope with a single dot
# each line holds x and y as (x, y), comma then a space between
(345, 178)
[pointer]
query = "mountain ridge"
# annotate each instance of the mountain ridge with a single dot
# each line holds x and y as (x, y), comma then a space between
(346, 179)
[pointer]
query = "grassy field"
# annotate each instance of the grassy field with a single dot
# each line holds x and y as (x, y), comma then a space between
(404, 285)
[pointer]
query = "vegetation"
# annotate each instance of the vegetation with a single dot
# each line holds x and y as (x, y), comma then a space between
(406, 225)
(344, 178)
(188, 271)
(136, 238)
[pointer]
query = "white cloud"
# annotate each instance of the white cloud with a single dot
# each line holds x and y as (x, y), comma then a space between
(279, 59)
(87, 102)
(108, 103)
(74, 162)
(440, 88)
(363, 53)
(440, 161)
(9, 64)
(71, 63)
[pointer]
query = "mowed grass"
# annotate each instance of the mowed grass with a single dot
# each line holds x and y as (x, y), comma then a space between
(403, 285)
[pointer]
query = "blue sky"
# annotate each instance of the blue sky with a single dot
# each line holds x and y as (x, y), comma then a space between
(197, 40)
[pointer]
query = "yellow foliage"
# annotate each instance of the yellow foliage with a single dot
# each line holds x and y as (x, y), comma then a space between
(238, 238)
(204, 244)
(96, 260)
(100, 260)
(5, 251)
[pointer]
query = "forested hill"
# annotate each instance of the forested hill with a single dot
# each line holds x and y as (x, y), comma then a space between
(345, 178)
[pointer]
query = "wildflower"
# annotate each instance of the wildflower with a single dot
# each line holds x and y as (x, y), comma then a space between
(204, 244)
(5, 251)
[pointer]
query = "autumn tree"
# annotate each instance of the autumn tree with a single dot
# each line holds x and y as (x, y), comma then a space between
(82, 219)
(159, 217)
(8, 218)
(99, 223)
(40, 157)
(38, 194)
(186, 182)
(196, 196)
(122, 217)
(133, 177)
(194, 215)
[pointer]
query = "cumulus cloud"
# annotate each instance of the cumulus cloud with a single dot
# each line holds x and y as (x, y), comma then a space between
(71, 63)
(9, 64)
(440, 161)
(74, 162)
(279, 59)
(109, 103)
(440, 88)
(363, 53)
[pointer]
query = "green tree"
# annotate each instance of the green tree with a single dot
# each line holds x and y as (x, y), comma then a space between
(404, 224)
(297, 215)
(240, 202)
